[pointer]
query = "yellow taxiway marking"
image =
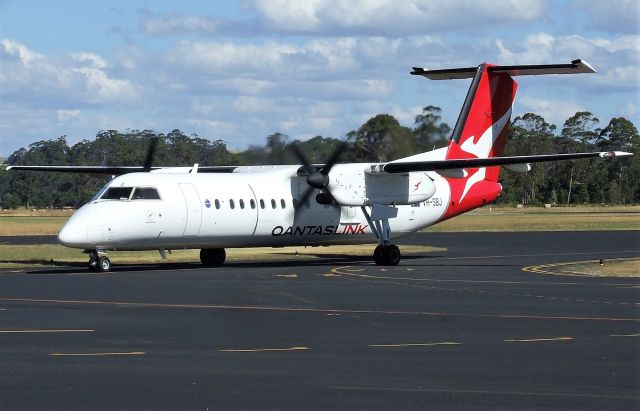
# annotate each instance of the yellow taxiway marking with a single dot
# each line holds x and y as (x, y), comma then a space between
(542, 339)
(624, 335)
(543, 268)
(414, 344)
(295, 297)
(95, 354)
(43, 331)
(265, 349)
(338, 271)
(311, 310)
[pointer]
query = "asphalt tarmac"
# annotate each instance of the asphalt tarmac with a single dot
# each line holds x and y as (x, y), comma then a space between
(463, 329)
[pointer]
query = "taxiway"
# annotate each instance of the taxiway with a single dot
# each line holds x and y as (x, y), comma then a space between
(465, 328)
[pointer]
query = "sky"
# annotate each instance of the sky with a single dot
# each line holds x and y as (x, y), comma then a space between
(241, 70)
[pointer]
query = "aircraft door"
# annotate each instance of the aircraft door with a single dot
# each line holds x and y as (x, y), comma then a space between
(193, 209)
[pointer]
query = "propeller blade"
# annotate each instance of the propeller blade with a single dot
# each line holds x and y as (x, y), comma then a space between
(317, 179)
(305, 196)
(334, 158)
(151, 151)
(303, 159)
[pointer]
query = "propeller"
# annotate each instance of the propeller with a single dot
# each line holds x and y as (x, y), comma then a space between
(151, 151)
(317, 178)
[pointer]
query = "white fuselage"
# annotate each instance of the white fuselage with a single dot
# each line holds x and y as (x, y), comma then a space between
(251, 207)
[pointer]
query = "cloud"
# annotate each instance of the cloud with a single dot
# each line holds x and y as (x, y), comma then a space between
(616, 59)
(553, 111)
(157, 25)
(381, 17)
(340, 18)
(79, 79)
(617, 16)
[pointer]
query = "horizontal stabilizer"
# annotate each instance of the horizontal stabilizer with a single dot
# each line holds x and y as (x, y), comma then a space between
(436, 165)
(575, 67)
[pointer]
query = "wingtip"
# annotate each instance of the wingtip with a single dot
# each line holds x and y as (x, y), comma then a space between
(615, 154)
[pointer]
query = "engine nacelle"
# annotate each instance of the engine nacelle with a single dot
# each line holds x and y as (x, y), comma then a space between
(386, 189)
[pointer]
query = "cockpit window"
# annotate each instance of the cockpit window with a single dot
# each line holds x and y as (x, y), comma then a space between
(145, 193)
(117, 193)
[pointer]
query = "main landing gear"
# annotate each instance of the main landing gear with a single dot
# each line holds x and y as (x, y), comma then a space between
(385, 253)
(99, 263)
(212, 257)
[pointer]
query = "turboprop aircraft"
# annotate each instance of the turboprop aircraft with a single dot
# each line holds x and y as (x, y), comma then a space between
(216, 207)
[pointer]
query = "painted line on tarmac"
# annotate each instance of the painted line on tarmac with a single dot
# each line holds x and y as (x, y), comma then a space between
(433, 344)
(265, 349)
(543, 268)
(487, 392)
(295, 297)
(343, 271)
(95, 354)
(542, 339)
(43, 331)
(624, 335)
(311, 310)
(416, 284)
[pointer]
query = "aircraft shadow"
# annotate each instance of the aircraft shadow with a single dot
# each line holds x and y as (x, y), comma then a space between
(329, 260)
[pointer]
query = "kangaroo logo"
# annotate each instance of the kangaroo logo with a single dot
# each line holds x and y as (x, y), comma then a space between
(482, 149)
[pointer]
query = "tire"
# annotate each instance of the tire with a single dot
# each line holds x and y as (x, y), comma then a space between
(378, 257)
(392, 255)
(104, 264)
(212, 257)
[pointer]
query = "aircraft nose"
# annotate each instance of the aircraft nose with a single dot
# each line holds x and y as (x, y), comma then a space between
(83, 229)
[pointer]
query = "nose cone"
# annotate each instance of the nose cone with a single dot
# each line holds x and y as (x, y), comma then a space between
(83, 229)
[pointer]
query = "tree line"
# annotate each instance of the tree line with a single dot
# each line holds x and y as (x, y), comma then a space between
(379, 139)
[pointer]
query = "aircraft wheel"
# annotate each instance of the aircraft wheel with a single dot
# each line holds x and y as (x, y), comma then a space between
(211, 257)
(93, 262)
(392, 255)
(387, 255)
(377, 255)
(104, 264)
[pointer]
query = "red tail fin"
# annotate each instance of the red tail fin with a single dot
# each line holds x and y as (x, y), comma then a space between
(483, 125)
(481, 132)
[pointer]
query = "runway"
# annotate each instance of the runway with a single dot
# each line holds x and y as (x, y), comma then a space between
(463, 329)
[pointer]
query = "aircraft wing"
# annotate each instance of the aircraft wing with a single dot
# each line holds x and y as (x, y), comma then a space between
(117, 170)
(435, 165)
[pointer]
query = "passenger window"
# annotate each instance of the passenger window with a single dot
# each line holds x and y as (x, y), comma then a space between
(145, 193)
(242, 204)
(283, 204)
(117, 193)
(232, 204)
(252, 204)
(217, 203)
(262, 204)
(273, 203)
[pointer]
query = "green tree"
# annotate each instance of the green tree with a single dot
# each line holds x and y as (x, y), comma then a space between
(429, 130)
(582, 127)
(529, 134)
(382, 138)
(621, 134)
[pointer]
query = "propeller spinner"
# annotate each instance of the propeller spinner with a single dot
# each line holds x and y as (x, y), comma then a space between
(317, 178)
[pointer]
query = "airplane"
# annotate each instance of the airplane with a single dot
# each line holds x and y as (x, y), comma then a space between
(216, 207)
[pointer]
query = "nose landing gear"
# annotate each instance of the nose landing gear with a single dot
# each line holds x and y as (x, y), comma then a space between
(98, 263)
